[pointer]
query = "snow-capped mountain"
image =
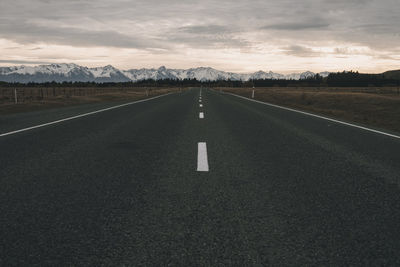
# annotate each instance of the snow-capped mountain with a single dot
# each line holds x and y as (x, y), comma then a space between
(155, 74)
(324, 74)
(61, 73)
(261, 75)
(108, 74)
(76, 73)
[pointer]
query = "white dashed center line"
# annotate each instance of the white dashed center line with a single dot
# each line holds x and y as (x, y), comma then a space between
(202, 161)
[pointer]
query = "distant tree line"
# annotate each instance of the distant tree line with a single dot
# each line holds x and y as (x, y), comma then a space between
(340, 79)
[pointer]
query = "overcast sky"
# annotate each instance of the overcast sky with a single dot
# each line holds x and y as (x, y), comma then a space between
(241, 36)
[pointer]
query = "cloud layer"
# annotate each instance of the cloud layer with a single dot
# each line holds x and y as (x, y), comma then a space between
(232, 35)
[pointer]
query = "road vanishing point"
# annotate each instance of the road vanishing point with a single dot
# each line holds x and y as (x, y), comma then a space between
(196, 178)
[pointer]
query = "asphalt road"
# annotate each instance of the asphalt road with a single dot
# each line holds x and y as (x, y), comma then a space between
(121, 187)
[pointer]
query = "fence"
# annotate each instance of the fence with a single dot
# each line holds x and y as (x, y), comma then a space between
(371, 90)
(29, 94)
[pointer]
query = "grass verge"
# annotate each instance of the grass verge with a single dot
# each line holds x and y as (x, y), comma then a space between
(32, 104)
(378, 109)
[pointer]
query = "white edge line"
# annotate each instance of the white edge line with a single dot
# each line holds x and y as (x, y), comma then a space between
(318, 116)
(202, 160)
(79, 116)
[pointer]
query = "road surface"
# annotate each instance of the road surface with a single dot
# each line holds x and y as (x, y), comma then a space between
(180, 180)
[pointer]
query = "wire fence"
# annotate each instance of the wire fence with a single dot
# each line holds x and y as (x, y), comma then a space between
(30, 94)
(371, 90)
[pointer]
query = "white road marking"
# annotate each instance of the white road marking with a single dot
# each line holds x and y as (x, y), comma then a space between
(318, 116)
(200, 100)
(201, 105)
(201, 115)
(202, 161)
(80, 116)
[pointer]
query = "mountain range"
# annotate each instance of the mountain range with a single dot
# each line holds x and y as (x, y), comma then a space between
(75, 73)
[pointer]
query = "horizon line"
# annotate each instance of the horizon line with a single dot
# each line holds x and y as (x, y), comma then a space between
(37, 64)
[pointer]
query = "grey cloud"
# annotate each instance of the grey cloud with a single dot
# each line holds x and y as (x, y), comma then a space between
(295, 26)
(379, 28)
(300, 51)
(29, 33)
(207, 36)
(12, 47)
(347, 52)
(156, 24)
(205, 29)
(388, 57)
(210, 41)
(10, 61)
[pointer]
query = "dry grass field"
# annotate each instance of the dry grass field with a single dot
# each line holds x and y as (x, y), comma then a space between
(374, 107)
(36, 98)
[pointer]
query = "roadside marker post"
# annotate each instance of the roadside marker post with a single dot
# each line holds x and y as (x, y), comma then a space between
(15, 96)
(252, 94)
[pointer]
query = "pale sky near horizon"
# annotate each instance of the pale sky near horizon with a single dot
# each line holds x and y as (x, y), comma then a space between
(240, 36)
